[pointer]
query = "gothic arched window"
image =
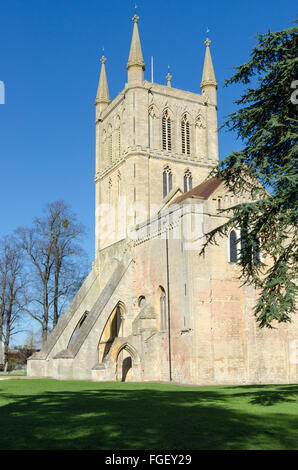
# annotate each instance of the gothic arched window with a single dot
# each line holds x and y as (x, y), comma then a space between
(117, 138)
(167, 181)
(151, 127)
(163, 309)
(109, 145)
(187, 181)
(110, 186)
(200, 132)
(185, 135)
(119, 183)
(233, 247)
(104, 148)
(250, 252)
(166, 131)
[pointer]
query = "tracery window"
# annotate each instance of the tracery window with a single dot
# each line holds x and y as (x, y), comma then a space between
(185, 135)
(187, 181)
(167, 181)
(166, 131)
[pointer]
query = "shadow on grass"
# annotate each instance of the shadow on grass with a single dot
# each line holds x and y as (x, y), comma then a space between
(268, 397)
(97, 416)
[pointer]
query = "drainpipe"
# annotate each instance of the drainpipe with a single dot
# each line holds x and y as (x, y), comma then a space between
(169, 308)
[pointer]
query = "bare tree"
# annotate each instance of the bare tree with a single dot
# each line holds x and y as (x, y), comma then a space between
(56, 262)
(12, 289)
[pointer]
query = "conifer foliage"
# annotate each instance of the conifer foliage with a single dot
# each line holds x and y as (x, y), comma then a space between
(266, 168)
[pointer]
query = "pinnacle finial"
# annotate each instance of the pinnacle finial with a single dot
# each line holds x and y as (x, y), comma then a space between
(102, 91)
(207, 42)
(208, 77)
(135, 58)
(169, 77)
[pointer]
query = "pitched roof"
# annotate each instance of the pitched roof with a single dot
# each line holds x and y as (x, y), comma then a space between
(202, 191)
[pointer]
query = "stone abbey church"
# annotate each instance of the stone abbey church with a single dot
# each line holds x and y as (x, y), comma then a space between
(153, 308)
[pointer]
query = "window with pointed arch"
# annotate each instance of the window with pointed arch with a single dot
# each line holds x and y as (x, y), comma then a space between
(187, 181)
(151, 127)
(109, 145)
(119, 183)
(167, 181)
(110, 186)
(200, 136)
(250, 252)
(118, 137)
(163, 308)
(166, 131)
(233, 247)
(104, 147)
(185, 135)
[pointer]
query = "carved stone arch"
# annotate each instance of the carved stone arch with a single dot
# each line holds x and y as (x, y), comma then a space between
(186, 114)
(117, 121)
(200, 121)
(127, 362)
(132, 351)
(168, 109)
(153, 109)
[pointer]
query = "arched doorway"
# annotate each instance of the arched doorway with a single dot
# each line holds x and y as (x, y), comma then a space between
(125, 362)
(124, 366)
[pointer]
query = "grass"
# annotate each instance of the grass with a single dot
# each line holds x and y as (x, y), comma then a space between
(48, 414)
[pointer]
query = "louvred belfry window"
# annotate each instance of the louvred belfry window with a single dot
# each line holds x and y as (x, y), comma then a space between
(185, 135)
(166, 131)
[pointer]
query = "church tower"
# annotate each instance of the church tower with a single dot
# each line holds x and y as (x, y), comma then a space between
(153, 142)
(151, 308)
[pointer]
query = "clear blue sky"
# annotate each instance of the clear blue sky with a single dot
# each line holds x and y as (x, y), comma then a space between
(49, 62)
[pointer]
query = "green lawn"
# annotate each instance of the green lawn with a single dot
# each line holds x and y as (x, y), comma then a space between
(49, 414)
